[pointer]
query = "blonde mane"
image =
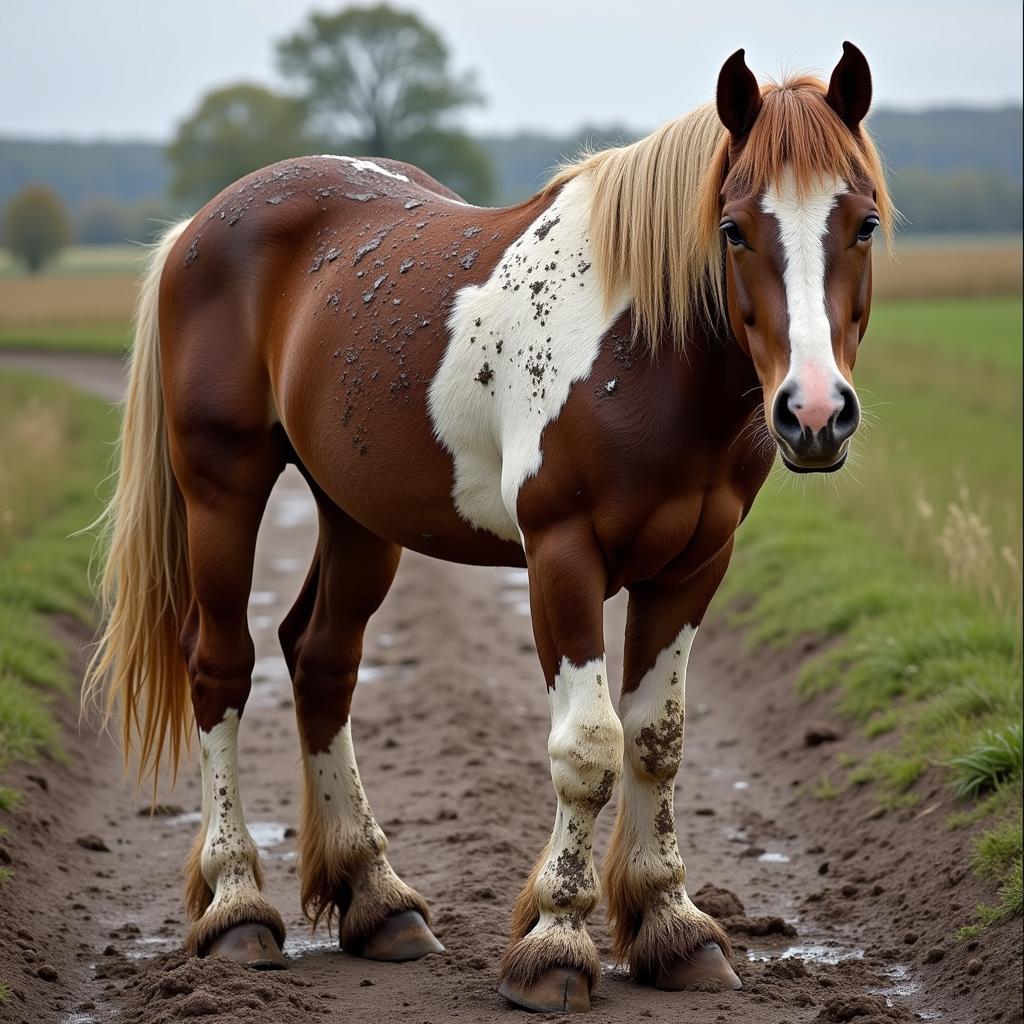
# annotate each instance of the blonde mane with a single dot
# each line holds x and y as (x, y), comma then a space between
(655, 203)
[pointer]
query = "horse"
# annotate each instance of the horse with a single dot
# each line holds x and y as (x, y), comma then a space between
(592, 385)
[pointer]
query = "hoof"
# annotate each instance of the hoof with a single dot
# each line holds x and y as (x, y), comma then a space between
(708, 964)
(402, 937)
(560, 990)
(251, 944)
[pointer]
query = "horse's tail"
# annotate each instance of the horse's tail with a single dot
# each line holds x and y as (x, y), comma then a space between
(137, 672)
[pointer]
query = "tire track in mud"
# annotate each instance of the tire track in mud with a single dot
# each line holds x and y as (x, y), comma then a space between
(450, 723)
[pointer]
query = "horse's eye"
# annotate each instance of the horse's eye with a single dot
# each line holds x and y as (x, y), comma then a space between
(731, 231)
(868, 227)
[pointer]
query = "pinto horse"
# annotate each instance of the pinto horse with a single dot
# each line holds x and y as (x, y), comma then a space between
(592, 384)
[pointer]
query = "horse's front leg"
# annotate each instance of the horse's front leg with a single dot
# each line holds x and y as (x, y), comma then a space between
(551, 962)
(665, 939)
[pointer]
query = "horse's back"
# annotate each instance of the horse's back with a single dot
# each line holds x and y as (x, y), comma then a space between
(315, 294)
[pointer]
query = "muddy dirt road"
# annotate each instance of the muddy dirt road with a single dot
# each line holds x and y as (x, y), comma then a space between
(450, 721)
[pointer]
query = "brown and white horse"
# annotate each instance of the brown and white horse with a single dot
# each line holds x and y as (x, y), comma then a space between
(591, 384)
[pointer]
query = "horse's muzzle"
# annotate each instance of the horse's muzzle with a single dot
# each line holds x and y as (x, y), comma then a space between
(808, 450)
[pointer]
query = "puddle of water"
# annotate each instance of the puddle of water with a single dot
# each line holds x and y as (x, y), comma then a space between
(817, 953)
(262, 598)
(371, 673)
(741, 784)
(294, 510)
(769, 857)
(149, 945)
(266, 833)
(903, 984)
(287, 565)
(735, 835)
(270, 669)
(297, 945)
(188, 818)
(387, 640)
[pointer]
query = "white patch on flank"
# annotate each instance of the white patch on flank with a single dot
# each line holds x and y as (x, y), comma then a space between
(229, 851)
(365, 165)
(803, 224)
(517, 344)
(585, 748)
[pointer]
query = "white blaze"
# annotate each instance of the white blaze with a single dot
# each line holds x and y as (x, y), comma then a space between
(803, 224)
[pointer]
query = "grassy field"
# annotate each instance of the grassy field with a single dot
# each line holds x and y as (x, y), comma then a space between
(82, 260)
(911, 563)
(927, 266)
(53, 460)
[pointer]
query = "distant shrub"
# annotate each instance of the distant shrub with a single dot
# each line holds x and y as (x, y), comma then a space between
(37, 226)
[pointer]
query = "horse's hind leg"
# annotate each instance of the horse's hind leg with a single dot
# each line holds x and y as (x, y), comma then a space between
(226, 475)
(343, 865)
(665, 939)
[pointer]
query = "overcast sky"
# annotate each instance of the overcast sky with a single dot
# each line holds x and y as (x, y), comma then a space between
(133, 68)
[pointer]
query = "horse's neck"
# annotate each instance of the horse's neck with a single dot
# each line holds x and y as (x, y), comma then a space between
(716, 379)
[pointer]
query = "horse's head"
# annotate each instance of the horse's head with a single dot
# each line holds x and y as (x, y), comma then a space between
(801, 195)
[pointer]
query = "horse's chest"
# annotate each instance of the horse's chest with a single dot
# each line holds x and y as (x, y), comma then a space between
(517, 344)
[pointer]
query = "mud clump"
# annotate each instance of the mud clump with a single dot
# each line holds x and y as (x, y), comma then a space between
(718, 902)
(864, 1009)
(219, 990)
(726, 907)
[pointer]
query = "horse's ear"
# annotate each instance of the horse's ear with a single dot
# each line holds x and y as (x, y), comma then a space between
(849, 90)
(738, 96)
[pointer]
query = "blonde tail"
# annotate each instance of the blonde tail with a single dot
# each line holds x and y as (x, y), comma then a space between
(137, 672)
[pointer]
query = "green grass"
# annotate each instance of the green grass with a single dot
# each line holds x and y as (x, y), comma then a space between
(50, 435)
(910, 565)
(113, 339)
(966, 329)
(994, 759)
(82, 259)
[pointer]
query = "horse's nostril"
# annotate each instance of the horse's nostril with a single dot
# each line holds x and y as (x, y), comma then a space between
(784, 417)
(847, 419)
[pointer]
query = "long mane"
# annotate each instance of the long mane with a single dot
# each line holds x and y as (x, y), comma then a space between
(655, 203)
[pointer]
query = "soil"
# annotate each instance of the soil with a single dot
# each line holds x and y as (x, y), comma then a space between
(838, 911)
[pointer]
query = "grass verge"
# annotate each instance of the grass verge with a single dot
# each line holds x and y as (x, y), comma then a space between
(108, 340)
(52, 461)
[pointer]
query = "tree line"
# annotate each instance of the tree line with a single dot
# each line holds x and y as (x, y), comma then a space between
(379, 81)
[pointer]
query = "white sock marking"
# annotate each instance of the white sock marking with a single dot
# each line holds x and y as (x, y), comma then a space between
(340, 801)
(229, 851)
(652, 721)
(585, 748)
